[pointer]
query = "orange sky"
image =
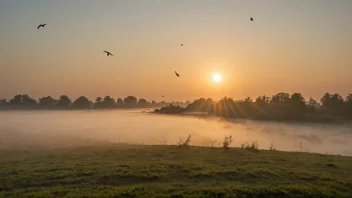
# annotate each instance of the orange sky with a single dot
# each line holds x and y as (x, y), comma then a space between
(290, 47)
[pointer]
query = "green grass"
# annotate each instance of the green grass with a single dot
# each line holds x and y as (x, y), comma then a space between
(171, 171)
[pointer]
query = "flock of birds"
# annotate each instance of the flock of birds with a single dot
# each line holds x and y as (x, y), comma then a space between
(110, 54)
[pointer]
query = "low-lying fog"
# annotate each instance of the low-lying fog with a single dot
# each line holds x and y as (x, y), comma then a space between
(25, 129)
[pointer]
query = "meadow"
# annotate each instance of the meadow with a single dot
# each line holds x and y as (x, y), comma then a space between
(124, 170)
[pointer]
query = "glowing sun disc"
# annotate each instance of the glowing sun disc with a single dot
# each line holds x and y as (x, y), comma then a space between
(217, 77)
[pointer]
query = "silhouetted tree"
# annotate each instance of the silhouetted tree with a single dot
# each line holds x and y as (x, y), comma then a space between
(142, 102)
(332, 104)
(98, 103)
(226, 107)
(130, 101)
(64, 102)
(3, 102)
(297, 107)
(349, 98)
(16, 100)
(119, 101)
(280, 98)
(108, 102)
(170, 110)
(313, 106)
(26, 100)
(81, 103)
(262, 108)
(348, 106)
(248, 100)
(246, 108)
(47, 101)
(280, 105)
(262, 100)
(98, 100)
(202, 105)
(23, 100)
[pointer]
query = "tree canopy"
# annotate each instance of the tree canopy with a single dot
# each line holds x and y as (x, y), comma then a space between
(281, 106)
(82, 102)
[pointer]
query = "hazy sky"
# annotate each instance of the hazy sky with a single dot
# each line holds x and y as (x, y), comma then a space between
(292, 46)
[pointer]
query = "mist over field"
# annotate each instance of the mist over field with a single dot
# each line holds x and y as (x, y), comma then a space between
(57, 129)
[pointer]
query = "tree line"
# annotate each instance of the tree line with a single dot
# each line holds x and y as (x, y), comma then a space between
(82, 102)
(282, 106)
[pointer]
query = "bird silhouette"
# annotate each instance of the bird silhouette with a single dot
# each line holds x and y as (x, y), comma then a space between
(41, 25)
(178, 75)
(182, 44)
(252, 19)
(162, 95)
(108, 53)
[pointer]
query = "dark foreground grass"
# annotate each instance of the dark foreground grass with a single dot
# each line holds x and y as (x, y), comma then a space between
(171, 171)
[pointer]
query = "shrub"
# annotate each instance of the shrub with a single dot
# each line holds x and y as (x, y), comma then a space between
(271, 147)
(185, 142)
(227, 142)
(252, 145)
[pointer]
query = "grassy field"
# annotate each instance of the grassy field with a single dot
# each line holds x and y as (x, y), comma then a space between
(171, 171)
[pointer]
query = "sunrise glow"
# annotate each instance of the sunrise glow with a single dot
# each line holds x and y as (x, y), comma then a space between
(217, 77)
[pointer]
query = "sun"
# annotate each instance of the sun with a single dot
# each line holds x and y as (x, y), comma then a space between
(217, 77)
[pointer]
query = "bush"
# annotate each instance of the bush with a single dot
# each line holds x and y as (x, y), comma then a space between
(252, 145)
(271, 147)
(227, 142)
(185, 142)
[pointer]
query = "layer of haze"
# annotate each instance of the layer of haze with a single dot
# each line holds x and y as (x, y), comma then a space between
(53, 129)
(292, 46)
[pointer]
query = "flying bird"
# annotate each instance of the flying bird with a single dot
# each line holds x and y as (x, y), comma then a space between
(41, 25)
(178, 75)
(182, 44)
(108, 53)
(252, 19)
(162, 95)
